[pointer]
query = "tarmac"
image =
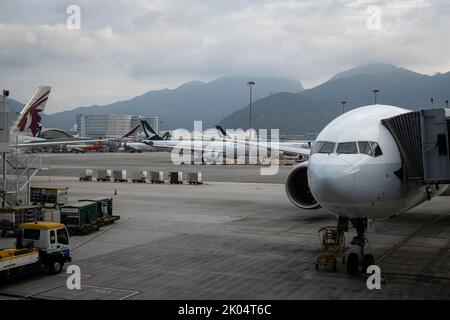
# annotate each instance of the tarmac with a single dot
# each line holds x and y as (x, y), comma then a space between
(235, 237)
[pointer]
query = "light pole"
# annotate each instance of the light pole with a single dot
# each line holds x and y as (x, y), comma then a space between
(4, 127)
(343, 106)
(250, 84)
(376, 92)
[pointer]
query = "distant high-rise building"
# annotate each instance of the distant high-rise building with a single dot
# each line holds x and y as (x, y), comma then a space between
(109, 125)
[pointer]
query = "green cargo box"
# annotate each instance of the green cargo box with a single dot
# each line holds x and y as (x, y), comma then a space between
(80, 216)
(104, 205)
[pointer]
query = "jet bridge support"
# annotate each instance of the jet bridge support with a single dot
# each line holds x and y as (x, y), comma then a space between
(423, 138)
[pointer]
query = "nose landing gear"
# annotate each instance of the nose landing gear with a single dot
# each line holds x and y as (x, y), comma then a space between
(355, 261)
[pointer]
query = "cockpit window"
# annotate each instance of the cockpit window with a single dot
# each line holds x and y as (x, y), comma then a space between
(347, 148)
(364, 148)
(316, 147)
(327, 147)
(376, 149)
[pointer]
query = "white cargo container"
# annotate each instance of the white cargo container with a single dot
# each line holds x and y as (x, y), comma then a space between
(86, 175)
(157, 177)
(120, 176)
(104, 175)
(195, 178)
(139, 177)
(176, 177)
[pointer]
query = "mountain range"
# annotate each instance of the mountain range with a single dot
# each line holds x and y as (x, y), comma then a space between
(278, 103)
(310, 110)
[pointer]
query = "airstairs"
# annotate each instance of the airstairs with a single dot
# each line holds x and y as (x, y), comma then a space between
(17, 171)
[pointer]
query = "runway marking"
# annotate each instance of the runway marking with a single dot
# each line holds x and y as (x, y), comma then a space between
(99, 234)
(406, 240)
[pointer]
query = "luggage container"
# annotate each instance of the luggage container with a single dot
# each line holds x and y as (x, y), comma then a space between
(176, 177)
(120, 176)
(49, 196)
(104, 210)
(104, 175)
(195, 178)
(86, 175)
(11, 218)
(157, 177)
(80, 217)
(139, 177)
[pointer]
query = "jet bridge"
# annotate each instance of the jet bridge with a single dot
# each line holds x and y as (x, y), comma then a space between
(423, 138)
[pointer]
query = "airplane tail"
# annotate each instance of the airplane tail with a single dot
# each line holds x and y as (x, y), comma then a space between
(30, 117)
(223, 134)
(132, 131)
(149, 132)
(166, 136)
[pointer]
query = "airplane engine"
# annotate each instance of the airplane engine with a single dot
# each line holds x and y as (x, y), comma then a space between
(297, 188)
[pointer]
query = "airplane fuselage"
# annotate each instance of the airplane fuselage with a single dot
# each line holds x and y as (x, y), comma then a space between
(355, 181)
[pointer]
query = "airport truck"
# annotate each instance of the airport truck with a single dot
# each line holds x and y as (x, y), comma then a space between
(41, 246)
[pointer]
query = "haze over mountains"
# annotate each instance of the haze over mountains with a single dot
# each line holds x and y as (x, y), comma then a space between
(311, 110)
(278, 103)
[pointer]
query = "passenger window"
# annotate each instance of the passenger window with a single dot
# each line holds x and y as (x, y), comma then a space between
(63, 238)
(327, 147)
(347, 148)
(52, 237)
(376, 149)
(364, 148)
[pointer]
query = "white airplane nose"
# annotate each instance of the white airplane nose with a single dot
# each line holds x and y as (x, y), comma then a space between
(331, 179)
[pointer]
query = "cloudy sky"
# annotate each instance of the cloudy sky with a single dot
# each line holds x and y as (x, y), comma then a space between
(127, 47)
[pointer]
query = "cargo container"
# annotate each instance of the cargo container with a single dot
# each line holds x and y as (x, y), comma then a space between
(104, 175)
(11, 218)
(195, 178)
(80, 217)
(157, 177)
(104, 210)
(176, 177)
(120, 176)
(86, 175)
(49, 196)
(139, 177)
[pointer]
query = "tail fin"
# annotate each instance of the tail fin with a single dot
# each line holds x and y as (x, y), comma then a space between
(40, 127)
(149, 132)
(30, 116)
(166, 136)
(222, 132)
(132, 131)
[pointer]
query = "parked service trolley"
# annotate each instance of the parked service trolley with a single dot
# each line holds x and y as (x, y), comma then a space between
(104, 210)
(86, 175)
(12, 218)
(176, 177)
(157, 177)
(49, 196)
(195, 178)
(139, 177)
(120, 176)
(80, 217)
(104, 175)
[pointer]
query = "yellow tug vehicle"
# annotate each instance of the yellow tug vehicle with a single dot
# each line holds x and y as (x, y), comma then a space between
(40, 246)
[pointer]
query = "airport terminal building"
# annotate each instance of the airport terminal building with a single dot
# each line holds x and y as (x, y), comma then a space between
(109, 125)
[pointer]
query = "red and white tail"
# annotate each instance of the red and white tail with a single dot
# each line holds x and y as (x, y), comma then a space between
(30, 116)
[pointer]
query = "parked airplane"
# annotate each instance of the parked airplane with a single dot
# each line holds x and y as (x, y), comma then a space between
(141, 146)
(84, 147)
(215, 149)
(25, 131)
(354, 170)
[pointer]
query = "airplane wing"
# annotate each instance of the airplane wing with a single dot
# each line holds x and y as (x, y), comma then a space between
(53, 143)
(280, 146)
